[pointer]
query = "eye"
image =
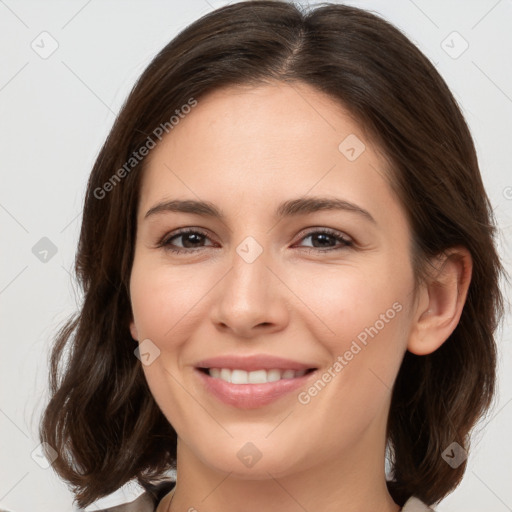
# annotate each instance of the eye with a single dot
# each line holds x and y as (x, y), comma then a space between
(327, 238)
(190, 238)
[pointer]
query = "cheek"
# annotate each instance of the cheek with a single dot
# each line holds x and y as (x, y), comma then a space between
(367, 318)
(347, 300)
(165, 300)
(166, 304)
(363, 320)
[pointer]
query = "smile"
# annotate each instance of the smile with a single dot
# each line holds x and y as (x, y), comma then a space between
(252, 381)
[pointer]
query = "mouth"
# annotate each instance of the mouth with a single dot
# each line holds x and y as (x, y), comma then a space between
(254, 381)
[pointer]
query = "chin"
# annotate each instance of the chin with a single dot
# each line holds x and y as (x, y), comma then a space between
(247, 461)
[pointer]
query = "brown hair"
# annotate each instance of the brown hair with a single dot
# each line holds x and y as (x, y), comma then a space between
(102, 418)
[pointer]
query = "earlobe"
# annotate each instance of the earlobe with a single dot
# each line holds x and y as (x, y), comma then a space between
(133, 331)
(444, 296)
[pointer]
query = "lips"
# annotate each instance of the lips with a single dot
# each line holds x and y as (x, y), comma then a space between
(252, 381)
(251, 363)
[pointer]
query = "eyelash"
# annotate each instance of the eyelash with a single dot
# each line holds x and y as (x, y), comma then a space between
(165, 240)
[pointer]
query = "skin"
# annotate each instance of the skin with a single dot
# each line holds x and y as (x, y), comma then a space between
(247, 149)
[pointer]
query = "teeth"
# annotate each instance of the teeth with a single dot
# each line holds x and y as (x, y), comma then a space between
(254, 377)
(257, 377)
(273, 375)
(239, 377)
(215, 372)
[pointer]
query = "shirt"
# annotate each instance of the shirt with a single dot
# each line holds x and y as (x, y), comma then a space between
(146, 503)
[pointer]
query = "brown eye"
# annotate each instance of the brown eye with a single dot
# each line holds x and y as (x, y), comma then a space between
(324, 240)
(190, 240)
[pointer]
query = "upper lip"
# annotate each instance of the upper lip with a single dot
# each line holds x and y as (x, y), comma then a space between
(251, 363)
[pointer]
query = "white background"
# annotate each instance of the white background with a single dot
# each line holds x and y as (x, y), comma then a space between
(55, 114)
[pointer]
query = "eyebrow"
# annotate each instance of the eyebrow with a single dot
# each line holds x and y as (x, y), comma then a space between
(292, 207)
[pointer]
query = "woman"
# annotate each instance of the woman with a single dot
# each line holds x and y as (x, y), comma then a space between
(271, 369)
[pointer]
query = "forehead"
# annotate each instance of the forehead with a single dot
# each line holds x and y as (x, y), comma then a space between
(272, 118)
(266, 141)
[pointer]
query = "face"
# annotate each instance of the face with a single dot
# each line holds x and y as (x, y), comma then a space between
(304, 304)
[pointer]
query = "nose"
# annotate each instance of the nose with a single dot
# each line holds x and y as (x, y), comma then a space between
(250, 300)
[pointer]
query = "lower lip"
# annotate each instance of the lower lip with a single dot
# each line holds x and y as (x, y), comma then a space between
(251, 396)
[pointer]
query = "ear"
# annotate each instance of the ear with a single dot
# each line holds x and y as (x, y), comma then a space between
(441, 300)
(133, 331)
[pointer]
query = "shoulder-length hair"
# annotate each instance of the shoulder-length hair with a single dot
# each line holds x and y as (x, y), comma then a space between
(102, 418)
